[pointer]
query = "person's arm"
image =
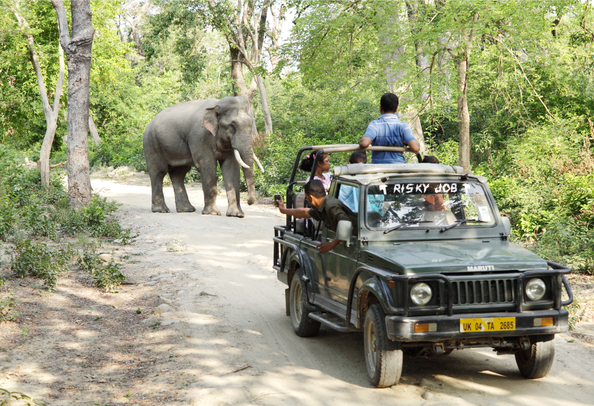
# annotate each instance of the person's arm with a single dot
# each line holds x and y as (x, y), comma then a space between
(328, 246)
(300, 213)
(364, 142)
(369, 136)
(414, 145)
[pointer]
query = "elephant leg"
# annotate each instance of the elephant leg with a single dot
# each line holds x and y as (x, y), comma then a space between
(208, 173)
(178, 175)
(157, 173)
(230, 169)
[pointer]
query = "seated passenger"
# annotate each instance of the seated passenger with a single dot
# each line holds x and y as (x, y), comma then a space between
(324, 208)
(427, 159)
(434, 202)
(321, 170)
(349, 195)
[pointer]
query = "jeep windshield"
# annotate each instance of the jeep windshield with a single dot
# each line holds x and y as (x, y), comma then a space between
(405, 205)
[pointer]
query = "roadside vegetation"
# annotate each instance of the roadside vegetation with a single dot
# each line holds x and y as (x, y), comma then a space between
(43, 238)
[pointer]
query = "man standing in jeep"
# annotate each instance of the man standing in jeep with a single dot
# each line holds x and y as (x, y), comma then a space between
(388, 130)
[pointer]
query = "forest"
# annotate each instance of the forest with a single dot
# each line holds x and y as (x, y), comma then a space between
(503, 88)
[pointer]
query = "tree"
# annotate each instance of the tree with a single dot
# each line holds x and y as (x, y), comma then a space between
(244, 27)
(78, 54)
(51, 113)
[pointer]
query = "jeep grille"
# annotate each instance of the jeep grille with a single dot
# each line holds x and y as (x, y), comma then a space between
(484, 291)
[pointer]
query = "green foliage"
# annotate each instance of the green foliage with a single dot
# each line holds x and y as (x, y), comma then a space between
(32, 258)
(568, 241)
(124, 152)
(546, 187)
(576, 313)
(95, 219)
(8, 304)
(6, 398)
(109, 276)
(40, 212)
(106, 276)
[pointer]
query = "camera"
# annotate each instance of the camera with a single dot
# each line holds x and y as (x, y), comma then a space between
(277, 199)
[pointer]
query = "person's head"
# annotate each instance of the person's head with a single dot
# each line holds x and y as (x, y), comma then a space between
(428, 159)
(358, 157)
(314, 192)
(323, 163)
(389, 103)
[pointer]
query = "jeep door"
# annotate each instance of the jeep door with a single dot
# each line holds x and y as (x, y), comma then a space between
(309, 242)
(341, 264)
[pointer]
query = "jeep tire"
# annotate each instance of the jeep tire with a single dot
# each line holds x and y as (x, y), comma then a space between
(536, 362)
(383, 357)
(298, 309)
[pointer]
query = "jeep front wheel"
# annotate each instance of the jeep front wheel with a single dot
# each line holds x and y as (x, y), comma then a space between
(302, 324)
(536, 361)
(383, 357)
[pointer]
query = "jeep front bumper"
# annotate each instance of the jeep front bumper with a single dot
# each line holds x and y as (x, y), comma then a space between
(445, 327)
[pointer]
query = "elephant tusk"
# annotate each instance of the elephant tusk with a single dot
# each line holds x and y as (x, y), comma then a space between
(259, 164)
(239, 160)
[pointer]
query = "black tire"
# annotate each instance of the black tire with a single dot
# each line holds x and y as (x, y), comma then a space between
(302, 324)
(536, 362)
(383, 357)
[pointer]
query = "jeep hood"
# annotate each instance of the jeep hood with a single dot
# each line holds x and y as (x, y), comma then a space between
(452, 257)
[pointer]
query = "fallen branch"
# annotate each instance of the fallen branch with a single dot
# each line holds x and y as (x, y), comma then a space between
(56, 165)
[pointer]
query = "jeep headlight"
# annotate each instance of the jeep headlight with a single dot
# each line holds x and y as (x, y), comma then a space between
(536, 289)
(421, 294)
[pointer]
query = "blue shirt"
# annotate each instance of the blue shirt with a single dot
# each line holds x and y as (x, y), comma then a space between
(388, 130)
(349, 195)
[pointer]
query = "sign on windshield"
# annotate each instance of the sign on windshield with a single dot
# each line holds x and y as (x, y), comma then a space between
(427, 204)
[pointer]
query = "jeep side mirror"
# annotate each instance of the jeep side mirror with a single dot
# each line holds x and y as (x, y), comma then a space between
(344, 231)
(506, 225)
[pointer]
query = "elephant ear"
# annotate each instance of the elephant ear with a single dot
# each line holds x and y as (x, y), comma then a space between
(210, 121)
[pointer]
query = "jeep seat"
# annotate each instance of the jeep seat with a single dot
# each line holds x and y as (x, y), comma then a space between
(438, 218)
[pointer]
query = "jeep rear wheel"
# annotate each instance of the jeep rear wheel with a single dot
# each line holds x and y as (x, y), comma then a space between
(536, 362)
(383, 357)
(302, 324)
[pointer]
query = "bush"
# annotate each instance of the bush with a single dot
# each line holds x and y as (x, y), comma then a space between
(106, 276)
(38, 260)
(96, 219)
(566, 240)
(8, 305)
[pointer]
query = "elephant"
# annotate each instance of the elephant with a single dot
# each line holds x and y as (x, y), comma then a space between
(201, 133)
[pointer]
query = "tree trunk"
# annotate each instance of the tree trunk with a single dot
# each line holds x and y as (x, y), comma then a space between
(93, 130)
(78, 54)
(410, 114)
(463, 115)
(51, 114)
(265, 109)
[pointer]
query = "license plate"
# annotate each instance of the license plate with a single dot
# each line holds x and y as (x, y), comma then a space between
(487, 324)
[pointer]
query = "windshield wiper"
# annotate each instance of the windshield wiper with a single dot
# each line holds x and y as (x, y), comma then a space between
(463, 221)
(405, 223)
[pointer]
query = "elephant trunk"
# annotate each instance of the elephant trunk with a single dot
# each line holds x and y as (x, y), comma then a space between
(245, 158)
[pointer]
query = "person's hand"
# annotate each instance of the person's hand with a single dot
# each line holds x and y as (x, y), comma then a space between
(280, 203)
(328, 246)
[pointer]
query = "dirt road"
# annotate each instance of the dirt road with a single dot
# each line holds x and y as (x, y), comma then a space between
(239, 345)
(220, 335)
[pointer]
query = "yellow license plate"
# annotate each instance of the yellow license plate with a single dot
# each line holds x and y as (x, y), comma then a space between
(487, 324)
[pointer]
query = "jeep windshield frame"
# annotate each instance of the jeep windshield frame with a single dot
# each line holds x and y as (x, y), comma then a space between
(406, 204)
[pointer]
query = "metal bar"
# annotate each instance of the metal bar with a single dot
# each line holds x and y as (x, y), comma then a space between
(569, 292)
(356, 147)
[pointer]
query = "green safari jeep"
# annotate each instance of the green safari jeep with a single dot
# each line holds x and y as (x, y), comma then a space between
(426, 269)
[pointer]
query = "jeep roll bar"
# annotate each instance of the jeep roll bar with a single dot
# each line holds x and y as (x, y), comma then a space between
(330, 148)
